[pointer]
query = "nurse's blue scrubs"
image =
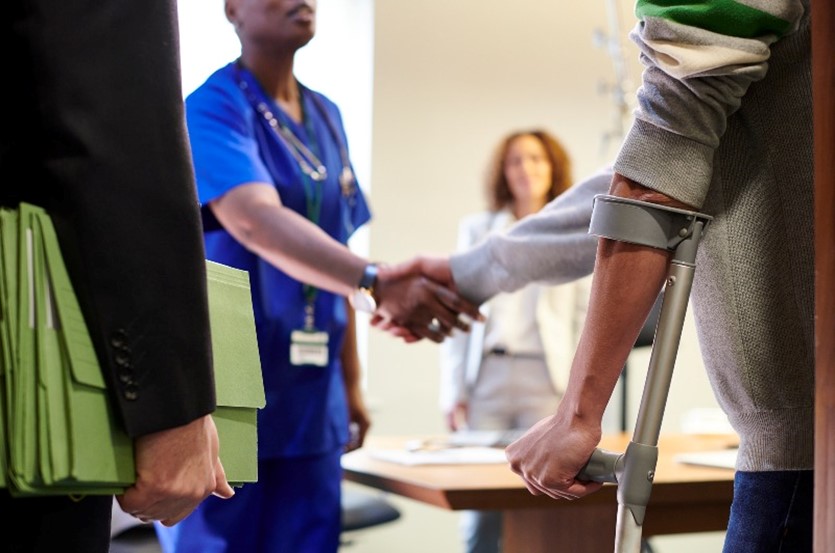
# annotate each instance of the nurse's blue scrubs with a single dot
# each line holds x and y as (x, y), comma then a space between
(295, 505)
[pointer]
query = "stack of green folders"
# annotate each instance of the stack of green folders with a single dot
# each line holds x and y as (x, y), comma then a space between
(58, 433)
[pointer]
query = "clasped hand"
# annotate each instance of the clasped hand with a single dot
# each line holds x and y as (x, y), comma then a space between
(176, 469)
(417, 299)
(549, 456)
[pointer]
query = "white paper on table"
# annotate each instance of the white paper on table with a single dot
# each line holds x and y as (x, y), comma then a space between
(446, 456)
(723, 458)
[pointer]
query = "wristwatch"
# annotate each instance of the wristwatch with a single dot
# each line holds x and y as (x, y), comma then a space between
(363, 297)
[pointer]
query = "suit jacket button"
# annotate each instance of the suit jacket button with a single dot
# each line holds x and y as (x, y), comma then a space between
(122, 360)
(119, 338)
(131, 392)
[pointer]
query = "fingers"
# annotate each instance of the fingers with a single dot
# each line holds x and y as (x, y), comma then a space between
(424, 308)
(437, 268)
(357, 430)
(447, 310)
(174, 520)
(534, 490)
(127, 505)
(438, 303)
(176, 469)
(451, 421)
(396, 330)
(222, 488)
(148, 505)
(569, 494)
(401, 270)
(431, 332)
(573, 490)
(459, 306)
(547, 479)
(430, 318)
(451, 311)
(360, 437)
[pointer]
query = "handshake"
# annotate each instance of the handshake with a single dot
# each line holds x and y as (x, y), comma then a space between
(418, 299)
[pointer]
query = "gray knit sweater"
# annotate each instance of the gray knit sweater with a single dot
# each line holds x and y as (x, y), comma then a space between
(553, 246)
(724, 123)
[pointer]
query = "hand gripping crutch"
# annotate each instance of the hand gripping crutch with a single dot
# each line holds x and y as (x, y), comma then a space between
(677, 231)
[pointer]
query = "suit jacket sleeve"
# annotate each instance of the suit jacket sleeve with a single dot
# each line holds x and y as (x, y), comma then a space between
(98, 127)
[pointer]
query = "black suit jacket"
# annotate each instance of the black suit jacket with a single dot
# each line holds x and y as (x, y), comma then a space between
(93, 131)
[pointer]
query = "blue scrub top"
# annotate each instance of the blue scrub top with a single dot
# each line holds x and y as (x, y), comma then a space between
(232, 144)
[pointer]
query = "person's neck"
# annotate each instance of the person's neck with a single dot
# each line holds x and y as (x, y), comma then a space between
(275, 75)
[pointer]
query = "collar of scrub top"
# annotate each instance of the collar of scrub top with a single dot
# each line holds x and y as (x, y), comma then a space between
(307, 161)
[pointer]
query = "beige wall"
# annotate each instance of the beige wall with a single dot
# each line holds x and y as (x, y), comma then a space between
(450, 79)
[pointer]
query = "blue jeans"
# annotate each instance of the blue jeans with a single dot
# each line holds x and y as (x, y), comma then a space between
(482, 531)
(771, 513)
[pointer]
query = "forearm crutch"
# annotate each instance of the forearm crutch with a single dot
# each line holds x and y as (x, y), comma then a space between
(677, 231)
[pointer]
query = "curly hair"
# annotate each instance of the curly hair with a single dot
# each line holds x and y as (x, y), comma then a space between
(497, 188)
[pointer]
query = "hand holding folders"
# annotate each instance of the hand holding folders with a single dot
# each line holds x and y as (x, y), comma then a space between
(58, 434)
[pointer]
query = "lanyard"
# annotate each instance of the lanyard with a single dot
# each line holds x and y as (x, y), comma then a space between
(313, 170)
(347, 179)
(313, 192)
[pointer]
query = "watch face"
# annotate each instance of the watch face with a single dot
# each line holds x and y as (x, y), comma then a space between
(363, 301)
(369, 277)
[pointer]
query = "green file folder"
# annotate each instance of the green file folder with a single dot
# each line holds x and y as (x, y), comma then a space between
(238, 384)
(8, 258)
(57, 428)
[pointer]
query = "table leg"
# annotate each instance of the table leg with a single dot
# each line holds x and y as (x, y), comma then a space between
(577, 529)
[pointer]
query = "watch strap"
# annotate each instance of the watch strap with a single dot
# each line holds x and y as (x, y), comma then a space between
(369, 277)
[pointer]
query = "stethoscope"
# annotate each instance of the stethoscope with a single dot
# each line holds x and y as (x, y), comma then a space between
(308, 162)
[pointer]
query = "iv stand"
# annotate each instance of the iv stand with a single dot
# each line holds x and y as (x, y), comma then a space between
(633, 471)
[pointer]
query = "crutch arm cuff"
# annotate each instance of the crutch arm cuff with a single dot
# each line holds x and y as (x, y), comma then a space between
(643, 223)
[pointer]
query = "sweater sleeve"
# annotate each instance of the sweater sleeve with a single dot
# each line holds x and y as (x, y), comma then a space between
(453, 352)
(551, 246)
(700, 59)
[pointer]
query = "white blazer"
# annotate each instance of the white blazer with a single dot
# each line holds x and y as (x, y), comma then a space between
(560, 313)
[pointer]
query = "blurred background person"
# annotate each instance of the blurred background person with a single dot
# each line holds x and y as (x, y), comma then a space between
(280, 200)
(510, 371)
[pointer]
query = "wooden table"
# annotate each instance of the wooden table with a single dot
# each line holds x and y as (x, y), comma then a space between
(684, 498)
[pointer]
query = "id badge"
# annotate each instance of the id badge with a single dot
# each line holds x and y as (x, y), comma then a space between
(309, 347)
